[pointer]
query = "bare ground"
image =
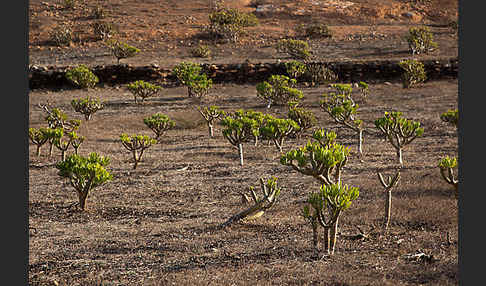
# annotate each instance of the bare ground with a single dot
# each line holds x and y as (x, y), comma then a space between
(157, 225)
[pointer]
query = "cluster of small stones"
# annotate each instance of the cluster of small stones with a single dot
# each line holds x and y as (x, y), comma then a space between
(372, 71)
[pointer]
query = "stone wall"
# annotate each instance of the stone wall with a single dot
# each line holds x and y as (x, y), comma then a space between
(369, 71)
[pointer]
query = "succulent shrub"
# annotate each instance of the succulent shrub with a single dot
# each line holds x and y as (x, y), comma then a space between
(210, 114)
(294, 68)
(446, 167)
(420, 40)
(278, 89)
(238, 130)
(399, 131)
(318, 74)
(201, 51)
(327, 206)
(229, 23)
(159, 123)
(277, 129)
(413, 73)
(121, 50)
(342, 108)
(389, 183)
(136, 144)
(364, 88)
(189, 74)
(82, 77)
(76, 141)
(142, 89)
(319, 158)
(305, 118)
(270, 192)
(296, 49)
(451, 116)
(61, 35)
(103, 30)
(57, 118)
(314, 31)
(84, 174)
(87, 106)
(259, 119)
(38, 137)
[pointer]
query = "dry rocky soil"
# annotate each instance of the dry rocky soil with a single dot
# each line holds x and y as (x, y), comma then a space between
(158, 224)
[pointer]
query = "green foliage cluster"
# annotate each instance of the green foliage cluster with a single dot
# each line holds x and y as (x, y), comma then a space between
(82, 77)
(121, 50)
(201, 51)
(413, 72)
(420, 40)
(159, 123)
(190, 75)
(318, 74)
(451, 116)
(295, 69)
(85, 173)
(297, 49)
(446, 167)
(136, 144)
(87, 106)
(277, 129)
(210, 114)
(38, 137)
(142, 89)
(398, 130)
(279, 89)
(305, 118)
(229, 23)
(342, 108)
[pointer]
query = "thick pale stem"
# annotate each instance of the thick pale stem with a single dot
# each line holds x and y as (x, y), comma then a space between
(240, 152)
(333, 236)
(38, 152)
(399, 156)
(211, 129)
(360, 146)
(82, 195)
(388, 208)
(51, 146)
(136, 157)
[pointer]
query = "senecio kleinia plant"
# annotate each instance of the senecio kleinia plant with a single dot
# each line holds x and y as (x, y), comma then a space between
(278, 89)
(413, 72)
(303, 117)
(325, 207)
(270, 192)
(295, 68)
(84, 174)
(229, 23)
(57, 118)
(319, 158)
(210, 114)
(420, 40)
(277, 129)
(82, 77)
(159, 123)
(189, 74)
(389, 183)
(87, 106)
(238, 130)
(38, 137)
(297, 49)
(121, 50)
(342, 108)
(398, 130)
(136, 144)
(143, 89)
(451, 116)
(446, 166)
